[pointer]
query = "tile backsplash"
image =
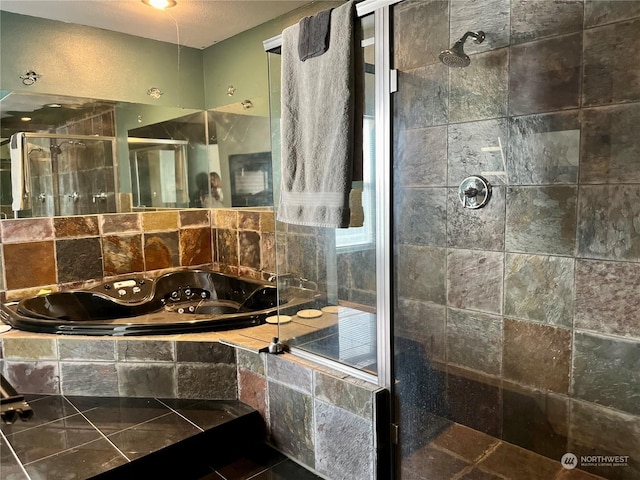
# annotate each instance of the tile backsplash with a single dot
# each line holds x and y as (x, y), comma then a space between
(67, 252)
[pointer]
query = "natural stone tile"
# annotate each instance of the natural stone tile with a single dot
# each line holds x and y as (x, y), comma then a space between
(227, 246)
(86, 349)
(474, 340)
(607, 297)
(139, 350)
(541, 220)
(29, 264)
(213, 381)
(479, 228)
(535, 420)
(248, 220)
(490, 16)
(226, 218)
(610, 78)
(251, 361)
(120, 223)
(33, 377)
(422, 97)
(610, 147)
(30, 348)
(535, 20)
(90, 379)
(474, 401)
(195, 246)
(539, 288)
(27, 230)
(205, 352)
(545, 75)
(267, 222)
(161, 250)
(544, 149)
(537, 355)
(479, 91)
(474, 280)
(464, 442)
(577, 475)
(514, 462)
(416, 148)
(430, 462)
(76, 226)
(423, 322)
(291, 373)
(421, 33)
(160, 221)
(421, 216)
(423, 273)
(194, 218)
(344, 394)
(122, 254)
(252, 390)
(268, 252)
(79, 259)
(291, 420)
(600, 12)
(249, 249)
(596, 430)
(609, 222)
(344, 442)
(302, 255)
(361, 268)
(606, 370)
(146, 380)
(477, 147)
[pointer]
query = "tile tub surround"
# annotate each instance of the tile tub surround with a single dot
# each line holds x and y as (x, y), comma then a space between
(138, 438)
(68, 252)
(528, 306)
(215, 366)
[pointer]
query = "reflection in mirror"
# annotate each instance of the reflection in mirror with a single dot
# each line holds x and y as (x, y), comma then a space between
(88, 156)
(64, 164)
(241, 132)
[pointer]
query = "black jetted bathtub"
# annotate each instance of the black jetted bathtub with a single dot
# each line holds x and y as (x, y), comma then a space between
(177, 302)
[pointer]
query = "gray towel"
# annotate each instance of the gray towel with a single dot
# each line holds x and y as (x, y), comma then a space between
(319, 135)
(313, 40)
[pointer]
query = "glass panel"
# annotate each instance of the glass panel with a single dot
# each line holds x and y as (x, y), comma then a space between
(516, 323)
(337, 267)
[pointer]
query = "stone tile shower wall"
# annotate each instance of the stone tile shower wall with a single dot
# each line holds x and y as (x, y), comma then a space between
(68, 252)
(526, 309)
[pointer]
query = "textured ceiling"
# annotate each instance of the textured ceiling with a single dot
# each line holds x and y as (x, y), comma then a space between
(193, 23)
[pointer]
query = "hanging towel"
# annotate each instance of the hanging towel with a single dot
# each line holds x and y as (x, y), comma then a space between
(321, 125)
(19, 173)
(313, 39)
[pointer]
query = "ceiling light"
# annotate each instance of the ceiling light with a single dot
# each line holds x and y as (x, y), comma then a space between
(160, 4)
(25, 119)
(53, 105)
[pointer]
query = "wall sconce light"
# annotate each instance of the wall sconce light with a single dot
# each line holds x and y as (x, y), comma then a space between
(155, 92)
(247, 104)
(231, 90)
(30, 77)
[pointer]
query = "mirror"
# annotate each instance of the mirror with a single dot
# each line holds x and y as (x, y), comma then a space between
(84, 156)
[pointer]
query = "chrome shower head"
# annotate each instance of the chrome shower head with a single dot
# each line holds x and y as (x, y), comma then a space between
(455, 56)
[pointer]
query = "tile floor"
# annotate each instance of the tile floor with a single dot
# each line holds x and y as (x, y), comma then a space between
(115, 438)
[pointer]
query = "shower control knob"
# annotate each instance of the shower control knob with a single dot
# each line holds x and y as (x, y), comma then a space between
(474, 192)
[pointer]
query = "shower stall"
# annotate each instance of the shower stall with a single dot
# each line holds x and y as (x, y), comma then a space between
(69, 174)
(508, 335)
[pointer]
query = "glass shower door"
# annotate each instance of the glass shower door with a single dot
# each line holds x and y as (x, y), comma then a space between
(516, 337)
